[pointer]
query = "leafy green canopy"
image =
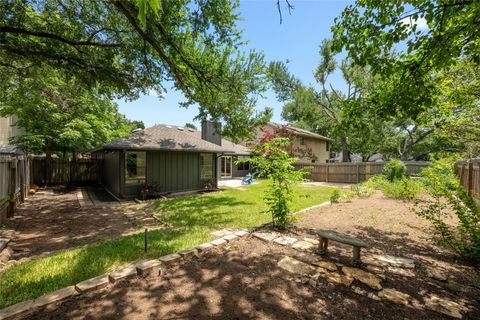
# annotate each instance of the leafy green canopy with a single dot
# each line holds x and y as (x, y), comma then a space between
(132, 46)
(59, 114)
(370, 30)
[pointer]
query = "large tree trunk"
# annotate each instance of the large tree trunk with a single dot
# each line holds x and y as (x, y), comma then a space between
(345, 150)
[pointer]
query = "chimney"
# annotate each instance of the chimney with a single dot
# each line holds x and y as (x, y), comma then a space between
(209, 132)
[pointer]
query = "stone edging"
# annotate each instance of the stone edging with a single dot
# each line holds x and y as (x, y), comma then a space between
(142, 268)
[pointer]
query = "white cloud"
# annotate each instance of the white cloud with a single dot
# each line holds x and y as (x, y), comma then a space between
(420, 22)
(154, 93)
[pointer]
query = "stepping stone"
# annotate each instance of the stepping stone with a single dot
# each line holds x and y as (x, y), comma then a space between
(364, 277)
(437, 274)
(330, 266)
(337, 278)
(401, 272)
(230, 237)
(285, 241)
(218, 242)
(312, 241)
(188, 253)
(169, 259)
(124, 273)
(303, 245)
(266, 236)
(55, 296)
(149, 267)
(224, 232)
(93, 284)
(204, 247)
(3, 243)
(17, 310)
(395, 296)
(295, 266)
(397, 261)
(241, 233)
(445, 306)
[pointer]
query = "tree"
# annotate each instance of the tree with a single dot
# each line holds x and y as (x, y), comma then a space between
(190, 125)
(272, 160)
(323, 111)
(370, 30)
(59, 114)
(131, 46)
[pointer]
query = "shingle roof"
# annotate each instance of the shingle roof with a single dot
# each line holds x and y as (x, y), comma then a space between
(166, 137)
(302, 132)
(236, 149)
(10, 149)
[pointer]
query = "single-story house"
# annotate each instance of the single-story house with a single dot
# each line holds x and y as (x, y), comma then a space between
(168, 159)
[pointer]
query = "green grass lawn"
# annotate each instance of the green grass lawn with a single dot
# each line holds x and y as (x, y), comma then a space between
(192, 219)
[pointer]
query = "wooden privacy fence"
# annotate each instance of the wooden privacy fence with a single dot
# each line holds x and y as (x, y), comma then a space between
(352, 172)
(469, 173)
(14, 183)
(64, 172)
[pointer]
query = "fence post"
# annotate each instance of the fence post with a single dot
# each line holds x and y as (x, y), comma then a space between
(470, 178)
(326, 173)
(358, 172)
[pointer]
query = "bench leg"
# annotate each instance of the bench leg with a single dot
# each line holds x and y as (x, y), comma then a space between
(356, 254)
(323, 245)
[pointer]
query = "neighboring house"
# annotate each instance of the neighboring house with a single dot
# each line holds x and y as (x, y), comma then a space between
(8, 130)
(307, 146)
(355, 157)
(167, 158)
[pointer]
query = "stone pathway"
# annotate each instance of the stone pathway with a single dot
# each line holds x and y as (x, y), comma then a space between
(314, 270)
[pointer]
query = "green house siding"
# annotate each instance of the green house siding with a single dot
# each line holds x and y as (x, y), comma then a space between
(173, 171)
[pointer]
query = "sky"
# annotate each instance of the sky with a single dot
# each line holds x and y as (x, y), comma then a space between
(296, 40)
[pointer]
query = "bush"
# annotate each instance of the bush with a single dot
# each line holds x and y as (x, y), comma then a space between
(362, 190)
(394, 170)
(335, 196)
(402, 189)
(450, 200)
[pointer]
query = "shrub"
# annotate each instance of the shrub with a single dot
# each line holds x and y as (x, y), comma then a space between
(402, 189)
(394, 170)
(335, 196)
(362, 190)
(450, 200)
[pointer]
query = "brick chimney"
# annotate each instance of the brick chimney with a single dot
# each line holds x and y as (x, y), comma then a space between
(209, 132)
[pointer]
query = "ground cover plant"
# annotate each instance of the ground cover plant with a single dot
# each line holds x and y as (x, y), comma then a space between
(392, 182)
(191, 219)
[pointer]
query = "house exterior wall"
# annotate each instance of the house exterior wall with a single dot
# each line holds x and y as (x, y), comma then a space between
(8, 129)
(318, 149)
(168, 171)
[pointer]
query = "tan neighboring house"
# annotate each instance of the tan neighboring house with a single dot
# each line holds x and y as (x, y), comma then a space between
(8, 129)
(307, 146)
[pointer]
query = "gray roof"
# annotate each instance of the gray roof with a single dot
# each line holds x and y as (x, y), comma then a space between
(10, 149)
(302, 132)
(166, 137)
(235, 149)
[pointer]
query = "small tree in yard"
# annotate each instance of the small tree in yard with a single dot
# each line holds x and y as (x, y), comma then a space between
(273, 161)
(454, 216)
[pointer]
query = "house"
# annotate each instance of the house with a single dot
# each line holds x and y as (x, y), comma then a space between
(8, 130)
(307, 146)
(169, 159)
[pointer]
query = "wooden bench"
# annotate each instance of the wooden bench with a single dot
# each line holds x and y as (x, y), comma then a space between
(325, 235)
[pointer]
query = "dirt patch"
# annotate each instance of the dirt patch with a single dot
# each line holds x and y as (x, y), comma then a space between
(243, 279)
(53, 220)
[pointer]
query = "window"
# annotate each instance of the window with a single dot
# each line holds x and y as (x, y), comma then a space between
(302, 141)
(134, 168)
(313, 161)
(328, 145)
(243, 166)
(206, 165)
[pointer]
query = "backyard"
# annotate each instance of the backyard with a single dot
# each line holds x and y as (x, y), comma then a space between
(186, 222)
(243, 278)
